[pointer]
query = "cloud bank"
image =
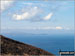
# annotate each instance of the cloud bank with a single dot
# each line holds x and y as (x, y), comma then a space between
(40, 28)
(26, 15)
(31, 14)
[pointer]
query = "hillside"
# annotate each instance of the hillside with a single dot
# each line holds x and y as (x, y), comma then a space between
(13, 47)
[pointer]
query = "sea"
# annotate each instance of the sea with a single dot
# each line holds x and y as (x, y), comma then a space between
(50, 43)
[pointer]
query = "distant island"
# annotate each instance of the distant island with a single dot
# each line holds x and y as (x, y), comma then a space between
(12, 47)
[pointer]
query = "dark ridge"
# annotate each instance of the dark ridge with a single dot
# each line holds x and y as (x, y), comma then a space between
(13, 47)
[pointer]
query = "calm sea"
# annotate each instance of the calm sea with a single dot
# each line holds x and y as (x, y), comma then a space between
(50, 43)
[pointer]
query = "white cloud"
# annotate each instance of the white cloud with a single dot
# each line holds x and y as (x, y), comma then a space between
(59, 28)
(21, 17)
(48, 16)
(5, 4)
(26, 15)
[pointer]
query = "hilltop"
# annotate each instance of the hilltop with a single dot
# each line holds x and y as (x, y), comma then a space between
(13, 47)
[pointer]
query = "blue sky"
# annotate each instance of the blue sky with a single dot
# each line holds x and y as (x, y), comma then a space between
(53, 16)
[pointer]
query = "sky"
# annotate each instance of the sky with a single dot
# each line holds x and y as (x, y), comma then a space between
(37, 16)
